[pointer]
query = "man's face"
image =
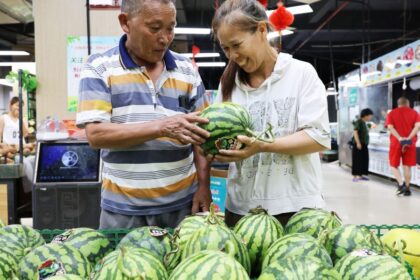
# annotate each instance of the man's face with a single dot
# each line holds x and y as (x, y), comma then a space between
(150, 32)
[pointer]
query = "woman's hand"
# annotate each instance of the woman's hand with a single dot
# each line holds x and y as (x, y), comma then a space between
(251, 148)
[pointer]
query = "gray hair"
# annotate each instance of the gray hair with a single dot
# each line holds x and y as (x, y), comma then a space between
(133, 7)
(245, 14)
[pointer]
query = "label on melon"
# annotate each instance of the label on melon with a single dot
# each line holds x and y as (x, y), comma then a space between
(61, 238)
(156, 232)
(363, 253)
(50, 268)
(228, 143)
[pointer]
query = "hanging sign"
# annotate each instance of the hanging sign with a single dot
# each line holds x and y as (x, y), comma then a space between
(397, 64)
(77, 54)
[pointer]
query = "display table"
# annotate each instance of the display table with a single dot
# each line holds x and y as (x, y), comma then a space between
(10, 187)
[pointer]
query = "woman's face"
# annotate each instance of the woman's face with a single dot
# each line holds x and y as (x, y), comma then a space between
(244, 48)
(14, 109)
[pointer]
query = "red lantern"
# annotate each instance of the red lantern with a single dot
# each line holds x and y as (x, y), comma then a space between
(264, 3)
(281, 18)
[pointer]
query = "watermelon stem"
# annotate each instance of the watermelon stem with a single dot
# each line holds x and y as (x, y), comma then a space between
(258, 210)
(267, 132)
(229, 248)
(212, 219)
(323, 236)
(174, 247)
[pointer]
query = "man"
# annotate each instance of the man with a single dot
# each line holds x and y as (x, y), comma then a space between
(134, 101)
(403, 123)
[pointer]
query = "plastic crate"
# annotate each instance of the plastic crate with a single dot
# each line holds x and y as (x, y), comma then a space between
(380, 230)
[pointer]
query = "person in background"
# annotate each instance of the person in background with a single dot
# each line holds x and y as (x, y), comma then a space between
(403, 124)
(139, 103)
(360, 154)
(283, 176)
(9, 124)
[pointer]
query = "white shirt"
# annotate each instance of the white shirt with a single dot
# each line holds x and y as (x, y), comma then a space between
(11, 131)
(293, 98)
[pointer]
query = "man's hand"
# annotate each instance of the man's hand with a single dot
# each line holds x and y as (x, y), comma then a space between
(251, 148)
(184, 129)
(201, 200)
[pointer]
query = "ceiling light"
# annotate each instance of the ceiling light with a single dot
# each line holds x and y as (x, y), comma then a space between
(196, 31)
(295, 10)
(200, 55)
(13, 53)
(275, 34)
(307, 1)
(211, 64)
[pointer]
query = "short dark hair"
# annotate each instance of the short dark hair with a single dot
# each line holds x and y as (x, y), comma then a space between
(133, 7)
(14, 100)
(366, 112)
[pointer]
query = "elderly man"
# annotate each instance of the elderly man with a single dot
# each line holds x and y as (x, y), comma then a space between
(139, 103)
(403, 123)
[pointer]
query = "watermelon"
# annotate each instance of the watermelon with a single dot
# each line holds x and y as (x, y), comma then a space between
(296, 244)
(91, 243)
(367, 265)
(227, 120)
(8, 265)
(301, 267)
(1, 224)
(127, 263)
(312, 221)
(259, 230)
(209, 264)
(215, 236)
(347, 238)
(61, 257)
(154, 239)
(183, 233)
(20, 239)
(66, 277)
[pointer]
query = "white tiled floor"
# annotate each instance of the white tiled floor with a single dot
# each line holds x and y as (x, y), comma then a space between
(368, 202)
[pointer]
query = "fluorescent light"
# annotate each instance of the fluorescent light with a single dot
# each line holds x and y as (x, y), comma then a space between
(201, 55)
(211, 64)
(197, 31)
(13, 53)
(9, 64)
(295, 10)
(275, 34)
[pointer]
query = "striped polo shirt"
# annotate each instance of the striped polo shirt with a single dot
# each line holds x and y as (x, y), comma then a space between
(157, 176)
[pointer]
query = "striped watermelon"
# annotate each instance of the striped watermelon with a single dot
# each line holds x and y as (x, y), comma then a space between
(8, 265)
(20, 239)
(71, 260)
(259, 230)
(367, 265)
(66, 277)
(227, 120)
(215, 236)
(1, 224)
(347, 238)
(209, 265)
(128, 263)
(183, 233)
(154, 239)
(91, 243)
(312, 221)
(296, 244)
(301, 267)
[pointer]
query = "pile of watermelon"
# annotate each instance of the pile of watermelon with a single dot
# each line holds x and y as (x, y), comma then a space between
(313, 245)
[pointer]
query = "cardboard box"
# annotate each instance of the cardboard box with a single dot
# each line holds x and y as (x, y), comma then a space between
(218, 188)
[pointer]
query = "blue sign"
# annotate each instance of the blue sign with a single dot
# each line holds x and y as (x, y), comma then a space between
(218, 192)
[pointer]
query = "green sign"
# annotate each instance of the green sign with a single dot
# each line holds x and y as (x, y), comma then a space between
(353, 95)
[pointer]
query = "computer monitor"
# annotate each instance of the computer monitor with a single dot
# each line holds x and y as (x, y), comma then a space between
(67, 162)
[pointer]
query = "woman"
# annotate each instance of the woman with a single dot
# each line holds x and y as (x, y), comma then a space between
(360, 155)
(9, 124)
(283, 176)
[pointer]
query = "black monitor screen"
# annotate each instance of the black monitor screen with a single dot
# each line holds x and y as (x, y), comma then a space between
(67, 162)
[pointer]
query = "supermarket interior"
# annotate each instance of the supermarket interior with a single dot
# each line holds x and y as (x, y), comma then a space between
(210, 139)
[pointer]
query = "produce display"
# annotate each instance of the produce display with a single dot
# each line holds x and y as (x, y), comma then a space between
(227, 120)
(203, 247)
